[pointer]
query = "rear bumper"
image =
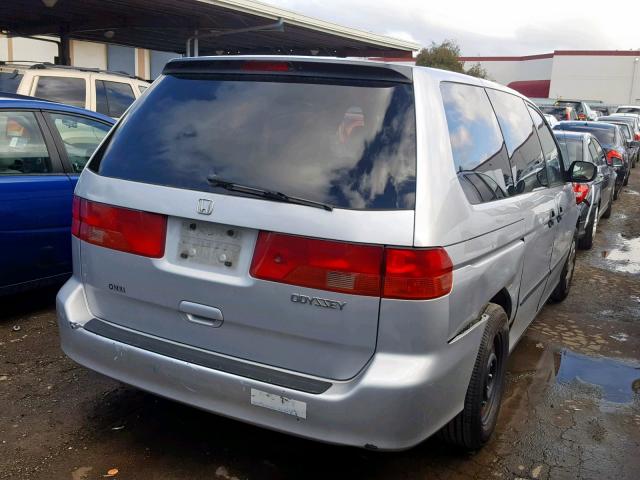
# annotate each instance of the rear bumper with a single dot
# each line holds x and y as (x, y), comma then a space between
(394, 403)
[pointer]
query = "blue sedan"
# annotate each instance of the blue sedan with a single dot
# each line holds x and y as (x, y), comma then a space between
(43, 148)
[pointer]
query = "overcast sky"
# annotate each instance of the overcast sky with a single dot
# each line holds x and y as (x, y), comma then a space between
(492, 27)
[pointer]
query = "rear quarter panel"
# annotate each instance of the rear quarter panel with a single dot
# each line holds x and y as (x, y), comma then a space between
(486, 241)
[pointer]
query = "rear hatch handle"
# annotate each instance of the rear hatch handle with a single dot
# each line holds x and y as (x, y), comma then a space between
(202, 314)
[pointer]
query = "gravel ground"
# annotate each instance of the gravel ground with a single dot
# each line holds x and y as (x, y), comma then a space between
(571, 410)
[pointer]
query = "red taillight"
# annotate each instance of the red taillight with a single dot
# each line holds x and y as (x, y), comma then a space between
(581, 190)
(417, 274)
(636, 136)
(614, 154)
(321, 264)
(131, 231)
(352, 268)
(262, 66)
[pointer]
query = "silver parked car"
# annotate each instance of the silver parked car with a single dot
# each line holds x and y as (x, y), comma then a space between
(342, 250)
(594, 199)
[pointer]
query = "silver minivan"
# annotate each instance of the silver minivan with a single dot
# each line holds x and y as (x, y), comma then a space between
(341, 250)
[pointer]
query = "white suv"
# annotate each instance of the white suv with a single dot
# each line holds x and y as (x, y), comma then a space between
(109, 93)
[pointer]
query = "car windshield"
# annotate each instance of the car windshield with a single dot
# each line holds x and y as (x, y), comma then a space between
(349, 145)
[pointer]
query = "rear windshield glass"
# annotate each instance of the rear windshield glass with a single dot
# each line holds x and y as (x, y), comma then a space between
(628, 110)
(10, 81)
(350, 145)
(606, 136)
(559, 112)
(576, 105)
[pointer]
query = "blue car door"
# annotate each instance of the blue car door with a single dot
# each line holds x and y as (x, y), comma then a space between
(35, 203)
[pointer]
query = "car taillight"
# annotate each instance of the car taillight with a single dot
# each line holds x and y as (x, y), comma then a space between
(117, 228)
(636, 136)
(417, 274)
(581, 191)
(352, 268)
(263, 66)
(611, 154)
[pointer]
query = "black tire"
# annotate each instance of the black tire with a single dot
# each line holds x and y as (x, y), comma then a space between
(626, 181)
(564, 284)
(607, 212)
(615, 193)
(586, 242)
(473, 427)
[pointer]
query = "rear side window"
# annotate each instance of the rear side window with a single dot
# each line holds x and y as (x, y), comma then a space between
(69, 90)
(522, 142)
(10, 81)
(351, 145)
(593, 153)
(22, 148)
(549, 148)
(80, 136)
(477, 145)
(572, 150)
(113, 98)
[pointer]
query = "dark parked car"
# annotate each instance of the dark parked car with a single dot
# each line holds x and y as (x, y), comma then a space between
(631, 130)
(595, 198)
(43, 148)
(560, 112)
(611, 138)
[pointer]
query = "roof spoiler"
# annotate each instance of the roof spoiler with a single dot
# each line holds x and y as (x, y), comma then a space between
(291, 68)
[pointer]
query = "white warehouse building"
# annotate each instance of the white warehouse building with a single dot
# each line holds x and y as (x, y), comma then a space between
(610, 76)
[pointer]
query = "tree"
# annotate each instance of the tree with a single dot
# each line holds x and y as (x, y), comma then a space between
(476, 70)
(446, 56)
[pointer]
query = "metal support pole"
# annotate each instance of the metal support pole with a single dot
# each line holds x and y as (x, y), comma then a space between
(64, 46)
(195, 44)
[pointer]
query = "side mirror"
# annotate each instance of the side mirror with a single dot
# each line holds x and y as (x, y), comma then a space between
(582, 172)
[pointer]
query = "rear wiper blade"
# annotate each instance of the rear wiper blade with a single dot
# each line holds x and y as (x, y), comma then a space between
(216, 181)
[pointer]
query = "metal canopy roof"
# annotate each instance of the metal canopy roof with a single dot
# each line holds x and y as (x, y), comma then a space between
(223, 27)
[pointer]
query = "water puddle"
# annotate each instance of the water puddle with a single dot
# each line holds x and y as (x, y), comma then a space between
(626, 257)
(619, 382)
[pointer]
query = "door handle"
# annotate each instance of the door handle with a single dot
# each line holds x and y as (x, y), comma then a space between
(202, 314)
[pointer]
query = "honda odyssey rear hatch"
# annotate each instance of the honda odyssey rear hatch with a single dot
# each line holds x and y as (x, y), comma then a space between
(255, 208)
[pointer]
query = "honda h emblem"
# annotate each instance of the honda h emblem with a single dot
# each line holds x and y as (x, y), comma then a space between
(205, 207)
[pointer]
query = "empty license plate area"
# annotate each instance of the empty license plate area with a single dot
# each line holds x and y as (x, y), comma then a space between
(212, 245)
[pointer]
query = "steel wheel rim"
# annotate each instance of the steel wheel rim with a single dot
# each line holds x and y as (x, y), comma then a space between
(491, 383)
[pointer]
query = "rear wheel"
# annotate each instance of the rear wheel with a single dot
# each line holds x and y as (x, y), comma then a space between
(564, 284)
(626, 181)
(586, 242)
(473, 427)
